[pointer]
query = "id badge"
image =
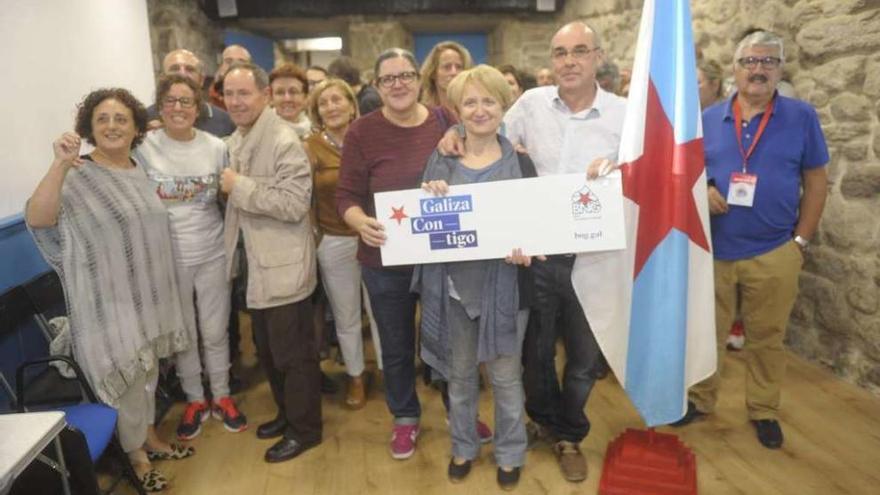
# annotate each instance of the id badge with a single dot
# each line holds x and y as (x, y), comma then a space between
(742, 189)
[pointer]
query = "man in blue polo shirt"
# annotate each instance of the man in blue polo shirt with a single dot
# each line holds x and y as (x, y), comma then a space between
(761, 149)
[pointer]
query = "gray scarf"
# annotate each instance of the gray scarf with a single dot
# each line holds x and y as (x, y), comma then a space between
(487, 288)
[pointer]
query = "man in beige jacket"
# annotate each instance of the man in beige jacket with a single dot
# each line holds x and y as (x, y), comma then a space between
(269, 185)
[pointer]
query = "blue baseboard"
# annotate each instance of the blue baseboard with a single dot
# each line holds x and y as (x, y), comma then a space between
(20, 260)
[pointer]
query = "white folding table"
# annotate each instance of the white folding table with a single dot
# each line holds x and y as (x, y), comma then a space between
(23, 436)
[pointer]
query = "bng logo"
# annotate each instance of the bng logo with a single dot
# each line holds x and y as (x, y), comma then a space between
(585, 204)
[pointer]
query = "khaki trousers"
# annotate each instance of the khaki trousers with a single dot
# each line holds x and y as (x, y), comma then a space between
(768, 286)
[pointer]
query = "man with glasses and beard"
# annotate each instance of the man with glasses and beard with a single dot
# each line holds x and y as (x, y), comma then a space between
(762, 149)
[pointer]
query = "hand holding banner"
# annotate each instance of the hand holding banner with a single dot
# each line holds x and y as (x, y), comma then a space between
(542, 215)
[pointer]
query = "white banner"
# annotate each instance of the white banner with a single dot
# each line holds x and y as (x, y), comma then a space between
(554, 214)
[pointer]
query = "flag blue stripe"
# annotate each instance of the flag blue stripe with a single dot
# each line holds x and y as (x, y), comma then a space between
(673, 68)
(658, 326)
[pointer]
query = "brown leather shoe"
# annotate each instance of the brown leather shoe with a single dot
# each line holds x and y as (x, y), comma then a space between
(571, 460)
(356, 398)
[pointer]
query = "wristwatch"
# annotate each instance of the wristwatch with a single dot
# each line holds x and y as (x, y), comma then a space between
(802, 242)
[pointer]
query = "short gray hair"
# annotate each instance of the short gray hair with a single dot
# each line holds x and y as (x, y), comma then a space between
(260, 76)
(395, 53)
(762, 38)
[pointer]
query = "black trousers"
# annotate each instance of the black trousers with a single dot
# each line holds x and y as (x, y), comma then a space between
(288, 352)
(556, 313)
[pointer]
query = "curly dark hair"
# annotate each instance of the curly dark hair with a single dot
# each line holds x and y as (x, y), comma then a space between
(164, 87)
(95, 98)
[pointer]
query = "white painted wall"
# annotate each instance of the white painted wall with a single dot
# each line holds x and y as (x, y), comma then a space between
(53, 53)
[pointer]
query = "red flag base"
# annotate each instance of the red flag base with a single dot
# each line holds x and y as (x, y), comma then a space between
(646, 462)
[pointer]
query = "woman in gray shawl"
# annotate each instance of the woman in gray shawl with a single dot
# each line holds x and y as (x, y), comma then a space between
(98, 222)
(470, 308)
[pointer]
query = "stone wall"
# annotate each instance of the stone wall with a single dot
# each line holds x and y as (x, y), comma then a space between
(182, 24)
(833, 61)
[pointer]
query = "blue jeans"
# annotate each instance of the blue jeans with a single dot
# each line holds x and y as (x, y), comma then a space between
(394, 308)
(464, 394)
(557, 313)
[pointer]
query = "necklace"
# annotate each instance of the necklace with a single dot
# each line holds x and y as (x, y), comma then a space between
(332, 141)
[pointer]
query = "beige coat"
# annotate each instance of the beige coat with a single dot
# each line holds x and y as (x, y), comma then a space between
(270, 204)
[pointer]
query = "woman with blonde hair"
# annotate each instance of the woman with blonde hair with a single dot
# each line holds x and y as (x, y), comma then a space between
(710, 79)
(332, 107)
(471, 309)
(442, 64)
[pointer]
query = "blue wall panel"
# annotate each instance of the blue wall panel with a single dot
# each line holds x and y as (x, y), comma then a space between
(262, 49)
(20, 260)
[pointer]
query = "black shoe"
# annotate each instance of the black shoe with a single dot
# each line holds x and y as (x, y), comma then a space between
(272, 429)
(600, 369)
(692, 414)
(508, 480)
(458, 472)
(769, 432)
(328, 386)
(286, 449)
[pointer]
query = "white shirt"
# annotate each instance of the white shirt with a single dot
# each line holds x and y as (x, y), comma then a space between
(560, 141)
(187, 177)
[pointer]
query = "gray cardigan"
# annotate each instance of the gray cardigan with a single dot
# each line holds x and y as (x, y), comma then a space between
(488, 288)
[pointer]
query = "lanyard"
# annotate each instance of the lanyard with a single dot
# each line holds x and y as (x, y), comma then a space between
(737, 115)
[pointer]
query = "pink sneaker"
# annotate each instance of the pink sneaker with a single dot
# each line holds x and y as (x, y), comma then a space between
(403, 441)
(484, 432)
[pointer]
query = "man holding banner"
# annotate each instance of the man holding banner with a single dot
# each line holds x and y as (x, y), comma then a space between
(574, 127)
(761, 147)
(564, 128)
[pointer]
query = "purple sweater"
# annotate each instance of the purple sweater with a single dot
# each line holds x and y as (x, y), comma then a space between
(380, 156)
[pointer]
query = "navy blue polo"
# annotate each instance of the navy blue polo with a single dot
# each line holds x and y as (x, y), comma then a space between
(791, 143)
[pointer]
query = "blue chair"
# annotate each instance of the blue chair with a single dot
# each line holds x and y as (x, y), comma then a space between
(39, 386)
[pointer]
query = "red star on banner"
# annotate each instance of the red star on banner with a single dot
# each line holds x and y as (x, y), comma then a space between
(661, 182)
(398, 214)
(585, 198)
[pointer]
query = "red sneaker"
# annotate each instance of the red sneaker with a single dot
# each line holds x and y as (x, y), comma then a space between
(191, 423)
(225, 410)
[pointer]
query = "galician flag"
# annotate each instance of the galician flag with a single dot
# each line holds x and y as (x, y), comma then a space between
(651, 306)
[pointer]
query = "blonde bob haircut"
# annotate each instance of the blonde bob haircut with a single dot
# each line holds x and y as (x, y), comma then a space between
(487, 77)
(428, 72)
(317, 91)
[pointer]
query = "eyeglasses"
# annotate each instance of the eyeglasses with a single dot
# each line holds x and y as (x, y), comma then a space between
(752, 62)
(579, 52)
(185, 101)
(289, 91)
(403, 77)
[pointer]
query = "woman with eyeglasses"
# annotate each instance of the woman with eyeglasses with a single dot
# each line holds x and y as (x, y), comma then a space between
(387, 150)
(290, 88)
(442, 64)
(97, 221)
(185, 164)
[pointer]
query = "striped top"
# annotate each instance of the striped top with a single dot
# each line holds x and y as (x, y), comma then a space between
(112, 250)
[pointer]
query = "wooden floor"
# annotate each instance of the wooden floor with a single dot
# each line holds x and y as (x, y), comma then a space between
(832, 445)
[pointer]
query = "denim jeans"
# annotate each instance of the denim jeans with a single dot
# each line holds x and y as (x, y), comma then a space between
(557, 313)
(394, 308)
(464, 394)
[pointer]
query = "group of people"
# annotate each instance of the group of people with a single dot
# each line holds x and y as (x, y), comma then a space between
(271, 180)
